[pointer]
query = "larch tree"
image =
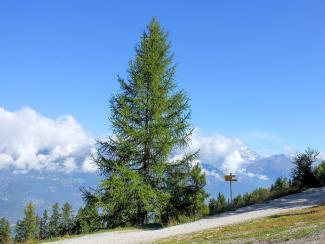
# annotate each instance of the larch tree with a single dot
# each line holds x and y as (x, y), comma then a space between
(66, 219)
(27, 230)
(319, 172)
(88, 220)
(150, 123)
(54, 223)
(302, 174)
(44, 225)
(5, 233)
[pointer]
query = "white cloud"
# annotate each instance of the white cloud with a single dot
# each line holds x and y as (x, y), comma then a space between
(232, 162)
(33, 141)
(227, 154)
(212, 173)
(5, 160)
(244, 172)
(321, 156)
(88, 166)
(289, 151)
(30, 140)
(262, 177)
(70, 165)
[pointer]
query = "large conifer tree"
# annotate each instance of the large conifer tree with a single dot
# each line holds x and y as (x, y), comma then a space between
(150, 122)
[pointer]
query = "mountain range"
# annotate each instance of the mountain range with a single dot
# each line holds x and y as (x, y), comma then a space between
(46, 188)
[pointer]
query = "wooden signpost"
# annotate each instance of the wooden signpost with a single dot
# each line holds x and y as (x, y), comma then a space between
(230, 178)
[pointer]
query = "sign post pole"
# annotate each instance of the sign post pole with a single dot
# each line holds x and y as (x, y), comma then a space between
(230, 191)
(230, 178)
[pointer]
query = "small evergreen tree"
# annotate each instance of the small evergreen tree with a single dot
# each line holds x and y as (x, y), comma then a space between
(5, 233)
(187, 193)
(80, 222)
(302, 174)
(88, 220)
(221, 203)
(218, 205)
(66, 220)
(319, 172)
(44, 226)
(281, 184)
(20, 232)
(54, 223)
(246, 199)
(238, 201)
(27, 230)
(212, 206)
(258, 195)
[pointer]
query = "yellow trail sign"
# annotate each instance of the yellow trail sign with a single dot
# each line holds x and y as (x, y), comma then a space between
(230, 178)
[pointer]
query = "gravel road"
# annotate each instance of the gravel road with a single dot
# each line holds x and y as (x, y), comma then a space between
(305, 199)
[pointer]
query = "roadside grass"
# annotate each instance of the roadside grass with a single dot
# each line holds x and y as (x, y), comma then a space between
(277, 228)
(183, 219)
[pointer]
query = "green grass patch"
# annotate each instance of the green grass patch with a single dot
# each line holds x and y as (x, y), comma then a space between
(276, 228)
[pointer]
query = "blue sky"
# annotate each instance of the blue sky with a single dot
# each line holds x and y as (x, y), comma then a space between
(254, 70)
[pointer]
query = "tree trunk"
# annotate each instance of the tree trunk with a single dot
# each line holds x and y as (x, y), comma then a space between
(144, 218)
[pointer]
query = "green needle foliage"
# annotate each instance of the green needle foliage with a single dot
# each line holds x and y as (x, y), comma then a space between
(54, 222)
(218, 205)
(66, 221)
(319, 172)
(150, 122)
(88, 220)
(44, 226)
(5, 233)
(303, 175)
(27, 229)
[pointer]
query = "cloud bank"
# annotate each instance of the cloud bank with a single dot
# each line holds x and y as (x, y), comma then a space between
(31, 141)
(227, 154)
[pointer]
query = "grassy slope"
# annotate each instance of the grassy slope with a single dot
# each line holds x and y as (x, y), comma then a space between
(276, 228)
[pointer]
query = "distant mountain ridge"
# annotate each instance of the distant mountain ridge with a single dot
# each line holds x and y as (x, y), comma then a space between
(261, 172)
(42, 188)
(46, 188)
(273, 166)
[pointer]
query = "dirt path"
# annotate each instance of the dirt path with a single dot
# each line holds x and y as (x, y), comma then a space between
(305, 199)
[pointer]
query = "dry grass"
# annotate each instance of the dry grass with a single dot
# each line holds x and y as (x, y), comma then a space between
(276, 228)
